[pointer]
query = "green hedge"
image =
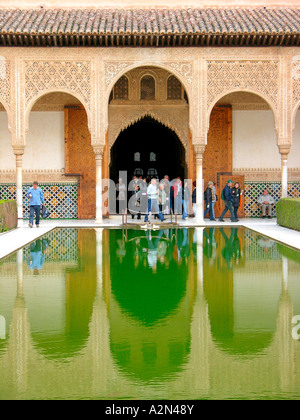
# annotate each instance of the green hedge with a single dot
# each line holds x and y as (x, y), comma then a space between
(288, 213)
(8, 215)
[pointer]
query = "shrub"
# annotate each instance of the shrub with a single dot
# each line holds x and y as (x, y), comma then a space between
(288, 213)
(8, 215)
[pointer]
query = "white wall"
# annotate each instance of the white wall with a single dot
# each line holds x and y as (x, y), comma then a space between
(294, 155)
(254, 140)
(45, 141)
(7, 157)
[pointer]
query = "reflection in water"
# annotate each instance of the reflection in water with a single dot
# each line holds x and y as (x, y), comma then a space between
(173, 313)
(150, 309)
(37, 255)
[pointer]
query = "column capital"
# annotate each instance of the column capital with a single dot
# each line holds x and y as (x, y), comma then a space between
(284, 150)
(19, 150)
(98, 150)
(199, 149)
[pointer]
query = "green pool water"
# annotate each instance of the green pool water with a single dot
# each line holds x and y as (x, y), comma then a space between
(167, 314)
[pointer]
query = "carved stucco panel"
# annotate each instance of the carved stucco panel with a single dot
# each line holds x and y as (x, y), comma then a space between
(175, 119)
(63, 75)
(257, 76)
(5, 82)
(115, 69)
(295, 85)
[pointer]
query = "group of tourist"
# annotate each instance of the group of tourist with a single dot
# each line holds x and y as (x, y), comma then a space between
(159, 198)
(163, 197)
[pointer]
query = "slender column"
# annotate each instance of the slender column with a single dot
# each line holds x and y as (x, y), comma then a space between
(19, 151)
(199, 150)
(99, 158)
(284, 151)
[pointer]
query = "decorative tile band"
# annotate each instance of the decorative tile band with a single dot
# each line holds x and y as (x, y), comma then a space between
(254, 189)
(61, 199)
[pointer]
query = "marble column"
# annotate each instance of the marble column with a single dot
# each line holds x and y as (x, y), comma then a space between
(99, 204)
(199, 150)
(284, 151)
(19, 151)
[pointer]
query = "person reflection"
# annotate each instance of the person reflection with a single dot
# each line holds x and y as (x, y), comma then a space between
(121, 251)
(153, 244)
(265, 243)
(37, 255)
(182, 244)
(232, 247)
(210, 246)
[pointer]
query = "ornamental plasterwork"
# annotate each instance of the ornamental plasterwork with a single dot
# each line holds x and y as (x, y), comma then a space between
(46, 175)
(5, 82)
(185, 69)
(296, 80)
(113, 68)
(266, 174)
(175, 118)
(62, 75)
(257, 76)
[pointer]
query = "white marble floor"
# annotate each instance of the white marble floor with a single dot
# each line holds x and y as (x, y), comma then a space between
(17, 238)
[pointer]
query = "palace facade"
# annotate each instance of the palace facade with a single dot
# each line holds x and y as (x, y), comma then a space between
(202, 92)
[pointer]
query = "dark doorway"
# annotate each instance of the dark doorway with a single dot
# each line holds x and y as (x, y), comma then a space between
(148, 148)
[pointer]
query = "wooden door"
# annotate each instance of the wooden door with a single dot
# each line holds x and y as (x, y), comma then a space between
(80, 160)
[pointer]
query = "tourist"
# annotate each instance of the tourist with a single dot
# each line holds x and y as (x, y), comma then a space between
(162, 197)
(136, 202)
(166, 183)
(143, 196)
(185, 199)
(152, 193)
(194, 199)
(214, 199)
(121, 199)
(177, 189)
(266, 202)
(208, 201)
(236, 193)
(228, 201)
(36, 197)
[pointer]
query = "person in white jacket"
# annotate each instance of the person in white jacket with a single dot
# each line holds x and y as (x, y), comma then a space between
(152, 193)
(266, 201)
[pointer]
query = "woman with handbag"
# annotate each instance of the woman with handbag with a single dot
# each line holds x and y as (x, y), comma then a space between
(236, 193)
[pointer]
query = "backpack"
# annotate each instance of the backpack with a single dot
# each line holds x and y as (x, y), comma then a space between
(223, 194)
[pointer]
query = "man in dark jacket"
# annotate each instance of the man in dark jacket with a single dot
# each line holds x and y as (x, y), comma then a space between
(228, 201)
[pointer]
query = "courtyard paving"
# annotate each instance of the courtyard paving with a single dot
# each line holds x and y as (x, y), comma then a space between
(13, 240)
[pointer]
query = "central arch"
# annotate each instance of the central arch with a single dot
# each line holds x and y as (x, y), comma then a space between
(148, 148)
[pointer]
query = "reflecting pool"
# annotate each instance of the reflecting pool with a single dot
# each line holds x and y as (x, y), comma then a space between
(163, 314)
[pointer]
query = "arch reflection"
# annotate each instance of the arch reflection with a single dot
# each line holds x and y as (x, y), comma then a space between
(153, 284)
(60, 299)
(243, 298)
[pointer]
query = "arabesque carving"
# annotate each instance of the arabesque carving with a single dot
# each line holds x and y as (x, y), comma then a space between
(175, 118)
(5, 82)
(261, 76)
(46, 75)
